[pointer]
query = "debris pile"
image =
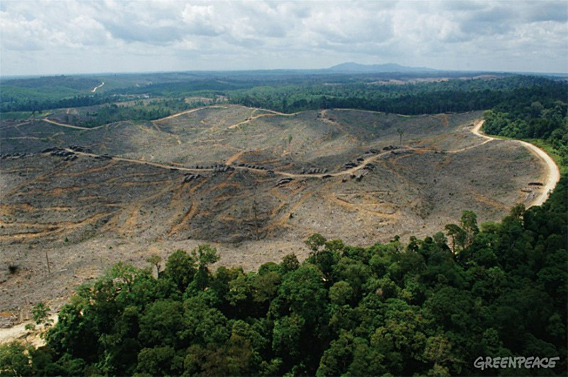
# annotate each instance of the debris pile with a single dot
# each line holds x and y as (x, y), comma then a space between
(258, 167)
(283, 181)
(313, 171)
(190, 177)
(14, 156)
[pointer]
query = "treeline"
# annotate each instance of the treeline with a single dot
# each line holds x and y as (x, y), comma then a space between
(411, 99)
(11, 103)
(47, 93)
(153, 110)
(538, 112)
(70, 82)
(44, 93)
(431, 307)
(410, 103)
(204, 87)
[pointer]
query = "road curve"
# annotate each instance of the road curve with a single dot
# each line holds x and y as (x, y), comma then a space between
(97, 87)
(551, 177)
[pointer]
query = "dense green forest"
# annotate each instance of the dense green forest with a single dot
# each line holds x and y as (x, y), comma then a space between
(533, 113)
(409, 99)
(447, 304)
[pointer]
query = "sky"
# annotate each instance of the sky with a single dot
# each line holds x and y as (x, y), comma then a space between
(44, 37)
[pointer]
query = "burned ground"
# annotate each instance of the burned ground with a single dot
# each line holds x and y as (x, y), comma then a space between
(252, 182)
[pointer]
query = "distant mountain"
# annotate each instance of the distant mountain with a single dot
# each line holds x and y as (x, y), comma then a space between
(376, 68)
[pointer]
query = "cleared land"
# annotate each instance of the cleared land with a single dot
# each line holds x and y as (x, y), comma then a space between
(252, 182)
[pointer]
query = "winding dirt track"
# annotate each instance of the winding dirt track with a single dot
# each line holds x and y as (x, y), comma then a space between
(552, 176)
(189, 112)
(97, 87)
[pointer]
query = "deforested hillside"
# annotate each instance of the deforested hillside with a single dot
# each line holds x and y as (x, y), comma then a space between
(244, 179)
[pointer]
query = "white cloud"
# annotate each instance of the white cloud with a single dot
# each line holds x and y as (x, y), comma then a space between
(18, 33)
(185, 35)
(201, 20)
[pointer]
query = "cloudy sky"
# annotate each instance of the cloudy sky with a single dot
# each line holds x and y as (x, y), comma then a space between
(91, 36)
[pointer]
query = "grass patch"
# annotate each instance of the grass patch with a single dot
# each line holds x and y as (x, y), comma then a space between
(554, 153)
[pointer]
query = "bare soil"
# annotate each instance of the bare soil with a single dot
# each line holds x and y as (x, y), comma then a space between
(253, 183)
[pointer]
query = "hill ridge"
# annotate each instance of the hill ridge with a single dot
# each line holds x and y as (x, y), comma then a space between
(352, 67)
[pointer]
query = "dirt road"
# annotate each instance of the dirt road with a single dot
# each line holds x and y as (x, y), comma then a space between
(69, 125)
(189, 112)
(94, 128)
(97, 87)
(551, 177)
(476, 130)
(253, 117)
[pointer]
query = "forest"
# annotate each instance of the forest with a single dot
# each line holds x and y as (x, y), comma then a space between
(535, 114)
(409, 99)
(432, 306)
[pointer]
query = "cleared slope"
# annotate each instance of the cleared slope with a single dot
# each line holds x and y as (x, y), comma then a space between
(341, 173)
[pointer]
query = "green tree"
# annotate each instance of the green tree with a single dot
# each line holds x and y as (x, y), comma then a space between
(303, 292)
(287, 336)
(289, 263)
(15, 360)
(160, 323)
(338, 357)
(340, 293)
(468, 223)
(40, 315)
(180, 269)
(401, 338)
(458, 236)
(265, 287)
(155, 260)
(315, 242)
(205, 256)
(438, 351)
(159, 361)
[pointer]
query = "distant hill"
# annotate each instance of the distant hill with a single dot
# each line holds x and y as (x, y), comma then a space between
(376, 68)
